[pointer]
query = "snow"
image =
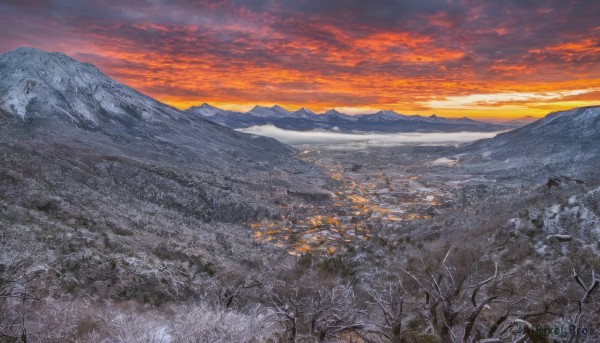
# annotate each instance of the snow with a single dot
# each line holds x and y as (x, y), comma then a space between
(540, 248)
(580, 115)
(305, 113)
(270, 112)
(389, 115)
(335, 114)
(333, 120)
(39, 84)
(444, 160)
(560, 238)
(205, 110)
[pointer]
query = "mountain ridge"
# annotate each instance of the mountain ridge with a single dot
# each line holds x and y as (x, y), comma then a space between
(303, 120)
(562, 141)
(278, 108)
(51, 102)
(39, 84)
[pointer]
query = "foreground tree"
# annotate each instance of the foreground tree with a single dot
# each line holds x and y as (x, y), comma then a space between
(314, 306)
(19, 285)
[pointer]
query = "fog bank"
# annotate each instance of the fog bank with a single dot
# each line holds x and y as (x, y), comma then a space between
(365, 139)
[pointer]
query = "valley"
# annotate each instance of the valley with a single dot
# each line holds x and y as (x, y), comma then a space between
(367, 194)
(123, 219)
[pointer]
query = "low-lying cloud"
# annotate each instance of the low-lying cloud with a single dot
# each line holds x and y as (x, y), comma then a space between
(358, 140)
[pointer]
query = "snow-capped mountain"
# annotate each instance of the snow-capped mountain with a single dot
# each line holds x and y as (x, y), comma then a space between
(269, 112)
(277, 112)
(386, 115)
(205, 110)
(568, 141)
(333, 112)
(91, 136)
(305, 113)
(553, 133)
(37, 84)
(303, 119)
(335, 115)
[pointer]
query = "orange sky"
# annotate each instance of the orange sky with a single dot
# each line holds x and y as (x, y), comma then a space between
(452, 58)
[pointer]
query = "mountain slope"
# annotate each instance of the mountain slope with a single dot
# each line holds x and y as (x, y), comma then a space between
(35, 84)
(564, 140)
(66, 101)
(576, 129)
(95, 168)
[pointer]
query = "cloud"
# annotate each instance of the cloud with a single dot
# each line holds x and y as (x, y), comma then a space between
(414, 55)
(499, 99)
(361, 140)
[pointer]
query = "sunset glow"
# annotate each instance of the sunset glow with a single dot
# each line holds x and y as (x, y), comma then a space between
(452, 58)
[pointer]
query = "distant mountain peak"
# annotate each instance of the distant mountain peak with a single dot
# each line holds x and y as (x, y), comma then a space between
(381, 121)
(203, 106)
(205, 110)
(257, 107)
(303, 112)
(387, 112)
(389, 115)
(333, 111)
(278, 108)
(269, 112)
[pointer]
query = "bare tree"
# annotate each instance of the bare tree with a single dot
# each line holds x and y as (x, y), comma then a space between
(311, 306)
(455, 294)
(388, 325)
(18, 286)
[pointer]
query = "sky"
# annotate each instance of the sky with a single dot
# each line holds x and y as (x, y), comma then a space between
(456, 58)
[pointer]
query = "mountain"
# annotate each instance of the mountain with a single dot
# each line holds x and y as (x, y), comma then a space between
(303, 120)
(333, 115)
(173, 227)
(269, 112)
(75, 105)
(306, 113)
(513, 123)
(206, 110)
(37, 85)
(566, 141)
(120, 173)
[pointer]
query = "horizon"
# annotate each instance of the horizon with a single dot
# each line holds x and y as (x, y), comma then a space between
(351, 112)
(485, 61)
(161, 182)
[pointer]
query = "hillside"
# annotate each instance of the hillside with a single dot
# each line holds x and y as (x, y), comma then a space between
(127, 177)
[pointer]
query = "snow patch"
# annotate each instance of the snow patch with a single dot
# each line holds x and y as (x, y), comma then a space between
(445, 160)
